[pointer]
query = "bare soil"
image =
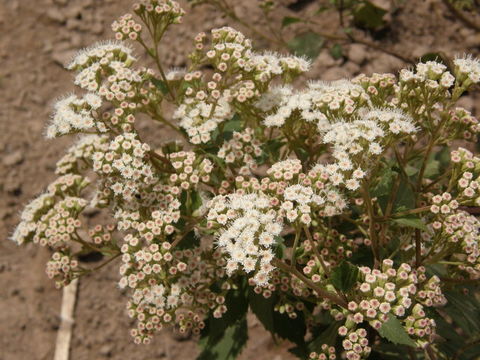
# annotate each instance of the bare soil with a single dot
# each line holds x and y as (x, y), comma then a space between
(37, 37)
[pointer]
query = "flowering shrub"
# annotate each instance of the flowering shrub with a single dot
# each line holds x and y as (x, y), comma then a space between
(340, 213)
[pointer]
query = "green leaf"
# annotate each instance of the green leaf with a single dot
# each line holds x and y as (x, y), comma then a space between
(262, 308)
(432, 169)
(464, 310)
(385, 184)
(393, 331)
(228, 346)
(369, 16)
(405, 197)
(433, 56)
(288, 20)
(160, 84)
(308, 44)
(411, 170)
(274, 322)
(411, 222)
(336, 51)
(344, 276)
(190, 241)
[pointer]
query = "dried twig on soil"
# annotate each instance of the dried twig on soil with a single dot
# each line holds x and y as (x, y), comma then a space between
(62, 347)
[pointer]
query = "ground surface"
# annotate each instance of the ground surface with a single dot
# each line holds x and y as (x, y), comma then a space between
(37, 37)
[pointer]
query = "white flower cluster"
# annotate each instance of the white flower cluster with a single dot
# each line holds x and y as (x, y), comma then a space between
(250, 228)
(355, 143)
(73, 114)
(320, 104)
(298, 203)
(248, 75)
(200, 118)
(93, 62)
(467, 70)
(240, 151)
(434, 74)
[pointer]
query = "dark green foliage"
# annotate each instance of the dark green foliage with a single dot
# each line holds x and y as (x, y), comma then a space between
(393, 331)
(308, 44)
(344, 276)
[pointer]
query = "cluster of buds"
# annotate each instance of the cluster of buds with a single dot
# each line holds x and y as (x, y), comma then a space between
(462, 125)
(459, 233)
(379, 87)
(240, 152)
(62, 268)
(189, 170)
(125, 164)
(355, 343)
(325, 353)
(332, 246)
(79, 156)
(126, 28)
(390, 291)
(162, 13)
(419, 326)
(467, 174)
(101, 234)
(69, 185)
(170, 286)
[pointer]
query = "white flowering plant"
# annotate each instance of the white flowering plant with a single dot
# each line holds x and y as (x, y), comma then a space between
(342, 214)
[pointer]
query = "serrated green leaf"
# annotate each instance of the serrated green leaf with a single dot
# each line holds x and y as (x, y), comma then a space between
(393, 331)
(308, 44)
(344, 276)
(228, 346)
(411, 222)
(289, 20)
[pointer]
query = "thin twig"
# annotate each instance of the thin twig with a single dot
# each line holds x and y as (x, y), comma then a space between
(62, 346)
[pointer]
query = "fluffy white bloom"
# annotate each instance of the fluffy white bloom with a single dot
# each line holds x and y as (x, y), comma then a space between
(73, 114)
(468, 67)
(250, 228)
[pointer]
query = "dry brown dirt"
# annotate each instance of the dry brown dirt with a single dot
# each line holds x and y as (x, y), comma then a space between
(37, 37)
